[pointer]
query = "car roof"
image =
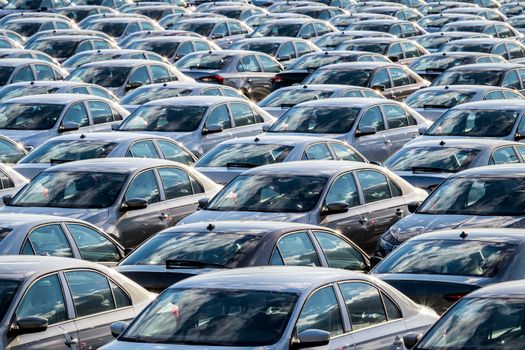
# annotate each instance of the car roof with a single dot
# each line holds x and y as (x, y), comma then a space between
(11, 220)
(503, 170)
(511, 289)
(487, 66)
(53, 98)
(359, 65)
(167, 38)
(322, 87)
(380, 39)
(24, 266)
(459, 54)
(194, 101)
(118, 19)
(254, 227)
(350, 102)
(468, 88)
(498, 235)
(109, 136)
(67, 37)
(111, 165)
(458, 34)
(120, 63)
(292, 20)
(184, 85)
(491, 40)
(384, 21)
(14, 62)
(54, 83)
(517, 105)
(467, 142)
(310, 167)
(276, 138)
(270, 39)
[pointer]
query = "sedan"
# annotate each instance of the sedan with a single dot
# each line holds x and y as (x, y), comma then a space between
(262, 307)
(47, 33)
(26, 53)
(129, 200)
(119, 27)
(330, 41)
(496, 29)
(342, 22)
(294, 27)
(375, 127)
(433, 23)
(14, 70)
(29, 26)
(170, 256)
(360, 200)
(60, 303)
(433, 42)
(506, 48)
(396, 49)
(399, 28)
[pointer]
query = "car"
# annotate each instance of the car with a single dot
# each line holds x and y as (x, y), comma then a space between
(304, 302)
(394, 81)
(435, 23)
(482, 318)
(232, 157)
(45, 302)
(363, 6)
(122, 76)
(13, 36)
(489, 196)
(25, 6)
(152, 92)
(239, 11)
(375, 127)
(173, 49)
(6, 17)
(32, 234)
(46, 33)
(86, 22)
(331, 41)
(247, 71)
(31, 120)
(283, 6)
(496, 29)
(69, 148)
(53, 86)
(318, 11)
(128, 40)
(491, 14)
(78, 12)
(14, 70)
(432, 102)
(396, 27)
(518, 23)
(507, 48)
(399, 50)
(114, 4)
(436, 7)
(29, 26)
(257, 20)
(169, 20)
(155, 12)
(342, 22)
(326, 192)
(512, 9)
(296, 72)
(125, 199)
(281, 100)
(10, 181)
(430, 66)
(457, 262)
(170, 256)
(293, 27)
(433, 42)
(25, 53)
(408, 14)
(198, 122)
(6, 43)
(11, 151)
(119, 27)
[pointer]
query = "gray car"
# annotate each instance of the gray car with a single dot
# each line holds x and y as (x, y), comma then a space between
(198, 122)
(14, 70)
(26, 53)
(31, 120)
(434, 41)
(360, 200)
(63, 304)
(330, 41)
(69, 148)
(129, 200)
(233, 157)
(507, 48)
(119, 26)
(294, 27)
(311, 308)
(375, 127)
(496, 29)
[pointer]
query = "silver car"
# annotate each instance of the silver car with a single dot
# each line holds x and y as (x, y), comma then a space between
(198, 122)
(10, 181)
(63, 304)
(31, 120)
(275, 307)
(375, 127)
(14, 70)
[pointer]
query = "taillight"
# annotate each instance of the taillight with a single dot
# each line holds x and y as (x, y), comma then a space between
(277, 79)
(454, 297)
(213, 79)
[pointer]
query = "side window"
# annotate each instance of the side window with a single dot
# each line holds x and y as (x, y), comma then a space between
(339, 254)
(184, 49)
(219, 116)
(399, 77)
(144, 186)
(513, 95)
(160, 74)
(514, 51)
(100, 112)
(409, 30)
(176, 183)
(392, 311)
(504, 155)
(140, 75)
(511, 80)
(77, 114)
(201, 46)
(343, 152)
(503, 31)
(321, 28)
(44, 72)
(212, 92)
(344, 190)
(250, 64)
(24, 74)
(242, 114)
(100, 44)
(121, 298)
(494, 95)
(374, 185)
(521, 72)
(318, 151)
(302, 48)
(410, 50)
(321, 311)
(269, 65)
(173, 152)
(232, 92)
(5, 181)
(101, 92)
(78, 90)
(235, 28)
(220, 31)
(395, 30)
(364, 304)
(296, 249)
(92, 245)
(394, 52)
(396, 116)
(352, 93)
(521, 150)
(381, 78)
(373, 118)
(44, 299)
(47, 240)
(143, 149)
(91, 292)
(84, 46)
(500, 50)
(131, 28)
(307, 32)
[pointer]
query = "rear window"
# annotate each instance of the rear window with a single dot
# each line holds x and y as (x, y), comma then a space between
(432, 159)
(244, 155)
(67, 151)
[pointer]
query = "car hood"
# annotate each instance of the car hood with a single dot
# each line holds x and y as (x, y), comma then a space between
(213, 215)
(27, 138)
(276, 111)
(97, 217)
(122, 345)
(220, 175)
(430, 113)
(199, 73)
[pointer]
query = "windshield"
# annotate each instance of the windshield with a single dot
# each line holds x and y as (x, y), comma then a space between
(203, 61)
(449, 159)
(336, 76)
(71, 189)
(83, 58)
(289, 98)
(212, 248)
(55, 48)
(203, 29)
(69, 150)
(146, 94)
(23, 28)
(164, 118)
(325, 120)
(448, 257)
(104, 76)
(479, 324)
(163, 48)
(439, 63)
(244, 155)
(267, 48)
(271, 194)
(477, 196)
(214, 316)
(438, 98)
(112, 29)
(8, 289)
(452, 47)
(272, 29)
(19, 116)
(469, 77)
(12, 91)
(474, 122)
(368, 47)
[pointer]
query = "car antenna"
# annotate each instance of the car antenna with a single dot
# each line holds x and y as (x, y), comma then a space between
(256, 139)
(82, 136)
(210, 227)
(463, 234)
(442, 143)
(32, 83)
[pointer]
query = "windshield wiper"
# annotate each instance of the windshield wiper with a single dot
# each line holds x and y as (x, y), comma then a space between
(435, 107)
(428, 169)
(60, 161)
(241, 165)
(432, 70)
(287, 105)
(181, 263)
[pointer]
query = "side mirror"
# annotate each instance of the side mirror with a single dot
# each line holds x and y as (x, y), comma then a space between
(411, 339)
(394, 58)
(133, 85)
(335, 208)
(266, 127)
(30, 324)
(379, 87)
(365, 130)
(412, 206)
(306, 36)
(118, 327)
(520, 135)
(203, 202)
(422, 130)
(134, 204)
(212, 129)
(68, 127)
(374, 162)
(284, 58)
(217, 36)
(311, 338)
(7, 198)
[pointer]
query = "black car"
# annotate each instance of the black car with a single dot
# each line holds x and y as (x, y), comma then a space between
(396, 49)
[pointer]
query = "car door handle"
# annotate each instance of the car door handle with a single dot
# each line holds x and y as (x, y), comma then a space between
(399, 212)
(70, 341)
(363, 221)
(163, 216)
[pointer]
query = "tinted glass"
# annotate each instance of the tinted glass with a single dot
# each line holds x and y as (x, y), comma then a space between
(176, 183)
(144, 186)
(345, 153)
(344, 190)
(446, 159)
(143, 149)
(19, 116)
(103, 76)
(321, 311)
(10, 153)
(364, 304)
(296, 249)
(438, 98)
(49, 240)
(8, 289)
(92, 245)
(347, 77)
(244, 155)
(318, 151)
(372, 118)
(242, 114)
(289, 98)
(374, 185)
(504, 155)
(100, 112)
(146, 94)
(204, 61)
(69, 150)
(299, 119)
(395, 116)
(91, 292)
(469, 77)
(164, 118)
(338, 253)
(175, 153)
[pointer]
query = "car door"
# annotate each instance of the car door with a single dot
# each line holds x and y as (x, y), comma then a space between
(373, 146)
(101, 116)
(375, 319)
(24, 73)
(295, 249)
(46, 298)
(257, 83)
(76, 114)
(98, 302)
(245, 123)
(402, 83)
(340, 254)
(381, 82)
(93, 245)
(135, 226)
(401, 127)
(219, 115)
